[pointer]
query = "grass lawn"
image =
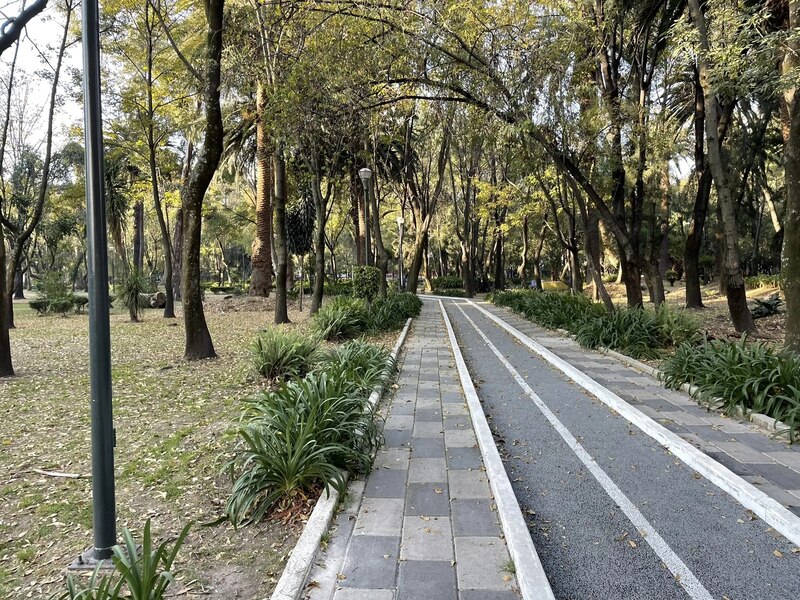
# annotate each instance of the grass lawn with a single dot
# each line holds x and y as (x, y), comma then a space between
(175, 423)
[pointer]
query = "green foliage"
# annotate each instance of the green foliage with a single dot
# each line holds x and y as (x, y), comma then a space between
(766, 308)
(637, 332)
(133, 286)
(53, 286)
(358, 363)
(366, 282)
(753, 377)
(451, 293)
(761, 280)
(297, 437)
(281, 353)
(341, 318)
(392, 311)
(671, 276)
(338, 288)
(300, 223)
(451, 282)
(142, 571)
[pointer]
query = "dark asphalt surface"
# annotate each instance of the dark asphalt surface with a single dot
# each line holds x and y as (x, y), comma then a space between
(588, 546)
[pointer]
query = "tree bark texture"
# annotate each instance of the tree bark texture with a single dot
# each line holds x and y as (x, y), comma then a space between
(281, 247)
(198, 338)
(261, 278)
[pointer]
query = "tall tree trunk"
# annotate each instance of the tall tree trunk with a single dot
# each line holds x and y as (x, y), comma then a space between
(6, 368)
(319, 237)
(522, 270)
(138, 236)
(499, 271)
(380, 251)
(736, 296)
(420, 245)
(261, 278)
(19, 288)
(281, 247)
(537, 254)
(694, 240)
(198, 338)
(790, 262)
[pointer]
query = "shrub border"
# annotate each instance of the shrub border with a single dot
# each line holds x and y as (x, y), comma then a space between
(293, 579)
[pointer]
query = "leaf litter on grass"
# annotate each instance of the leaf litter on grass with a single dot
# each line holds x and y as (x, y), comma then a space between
(175, 429)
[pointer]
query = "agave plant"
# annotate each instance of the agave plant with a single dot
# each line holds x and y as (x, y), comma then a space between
(281, 354)
(341, 318)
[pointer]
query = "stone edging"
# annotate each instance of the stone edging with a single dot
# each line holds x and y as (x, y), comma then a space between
(293, 579)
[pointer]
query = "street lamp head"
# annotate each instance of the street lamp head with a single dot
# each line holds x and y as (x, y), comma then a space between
(400, 221)
(365, 174)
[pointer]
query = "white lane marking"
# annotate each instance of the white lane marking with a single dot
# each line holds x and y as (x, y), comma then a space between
(530, 574)
(763, 506)
(683, 575)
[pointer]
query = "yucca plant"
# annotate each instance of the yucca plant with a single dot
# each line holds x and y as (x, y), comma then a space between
(133, 286)
(753, 377)
(341, 318)
(296, 437)
(280, 353)
(141, 571)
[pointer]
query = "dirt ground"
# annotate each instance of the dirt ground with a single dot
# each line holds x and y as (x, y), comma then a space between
(175, 424)
(715, 318)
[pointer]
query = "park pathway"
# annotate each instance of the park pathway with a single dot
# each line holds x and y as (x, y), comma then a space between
(426, 526)
(615, 509)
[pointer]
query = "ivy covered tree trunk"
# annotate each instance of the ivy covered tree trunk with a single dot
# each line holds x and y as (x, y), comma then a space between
(198, 338)
(281, 246)
(790, 261)
(261, 278)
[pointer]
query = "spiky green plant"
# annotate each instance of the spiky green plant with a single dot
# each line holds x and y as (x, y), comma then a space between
(358, 364)
(280, 353)
(341, 318)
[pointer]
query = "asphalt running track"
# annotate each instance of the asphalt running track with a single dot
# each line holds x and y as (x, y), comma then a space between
(612, 513)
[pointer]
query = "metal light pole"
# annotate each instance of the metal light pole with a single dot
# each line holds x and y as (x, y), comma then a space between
(400, 222)
(366, 179)
(103, 437)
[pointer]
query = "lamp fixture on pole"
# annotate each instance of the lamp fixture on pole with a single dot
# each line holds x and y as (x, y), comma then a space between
(400, 223)
(366, 179)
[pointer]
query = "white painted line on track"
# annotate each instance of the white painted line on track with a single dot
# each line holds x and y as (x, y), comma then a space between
(683, 575)
(763, 506)
(528, 568)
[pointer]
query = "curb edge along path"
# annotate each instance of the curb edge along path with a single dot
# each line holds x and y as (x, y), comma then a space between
(293, 579)
(765, 507)
(528, 568)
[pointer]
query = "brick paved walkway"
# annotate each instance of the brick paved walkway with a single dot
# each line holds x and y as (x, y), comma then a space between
(769, 463)
(426, 527)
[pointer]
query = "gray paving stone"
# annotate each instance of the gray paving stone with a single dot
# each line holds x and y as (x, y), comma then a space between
(399, 422)
(457, 422)
(764, 442)
(392, 458)
(362, 594)
(428, 499)
(474, 517)
(468, 484)
(380, 516)
(386, 483)
(426, 538)
(683, 418)
(464, 458)
(427, 470)
(427, 430)
(394, 438)
(459, 438)
(402, 408)
(788, 459)
(487, 595)
(371, 562)
(744, 453)
(480, 562)
(427, 447)
(426, 580)
(454, 397)
(784, 477)
(432, 415)
(455, 409)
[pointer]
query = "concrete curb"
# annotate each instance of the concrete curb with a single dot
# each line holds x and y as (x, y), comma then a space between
(762, 505)
(293, 579)
(528, 568)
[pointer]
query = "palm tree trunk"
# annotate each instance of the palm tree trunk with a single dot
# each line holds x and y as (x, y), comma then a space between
(261, 278)
(281, 247)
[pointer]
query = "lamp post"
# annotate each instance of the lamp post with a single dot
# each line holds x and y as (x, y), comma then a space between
(366, 179)
(103, 437)
(400, 222)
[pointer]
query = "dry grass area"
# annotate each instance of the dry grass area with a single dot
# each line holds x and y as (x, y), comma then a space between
(175, 424)
(715, 318)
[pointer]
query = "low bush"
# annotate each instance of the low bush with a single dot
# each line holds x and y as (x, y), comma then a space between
(341, 318)
(762, 280)
(451, 293)
(640, 333)
(451, 282)
(338, 288)
(359, 364)
(366, 282)
(280, 353)
(392, 311)
(753, 377)
(299, 437)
